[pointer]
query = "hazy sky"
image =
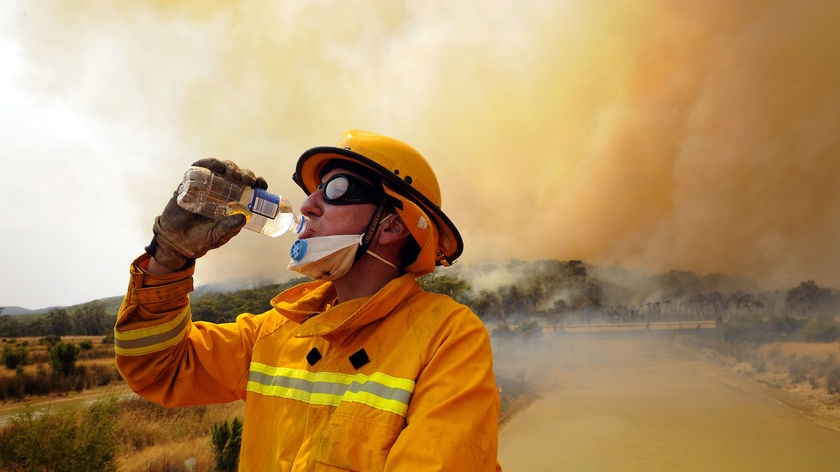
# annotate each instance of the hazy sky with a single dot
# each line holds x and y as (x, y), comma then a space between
(655, 135)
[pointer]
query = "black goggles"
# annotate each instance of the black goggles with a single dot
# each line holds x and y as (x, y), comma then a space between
(345, 189)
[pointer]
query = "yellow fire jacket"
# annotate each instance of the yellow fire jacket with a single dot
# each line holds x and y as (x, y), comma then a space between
(398, 381)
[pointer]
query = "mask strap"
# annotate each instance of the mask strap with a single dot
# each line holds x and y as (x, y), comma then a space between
(383, 260)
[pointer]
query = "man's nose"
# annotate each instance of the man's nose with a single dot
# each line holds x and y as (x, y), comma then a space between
(313, 205)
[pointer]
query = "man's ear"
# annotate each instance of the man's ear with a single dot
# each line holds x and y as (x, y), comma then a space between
(392, 229)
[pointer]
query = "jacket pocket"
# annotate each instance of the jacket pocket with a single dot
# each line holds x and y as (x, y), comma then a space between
(358, 437)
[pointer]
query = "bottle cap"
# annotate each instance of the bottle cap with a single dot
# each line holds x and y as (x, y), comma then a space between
(301, 224)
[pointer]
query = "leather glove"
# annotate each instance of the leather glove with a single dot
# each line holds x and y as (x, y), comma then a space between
(181, 237)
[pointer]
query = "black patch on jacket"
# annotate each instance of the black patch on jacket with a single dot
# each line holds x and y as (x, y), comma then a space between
(359, 359)
(313, 356)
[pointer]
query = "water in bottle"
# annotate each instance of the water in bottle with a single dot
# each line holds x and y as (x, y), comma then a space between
(209, 194)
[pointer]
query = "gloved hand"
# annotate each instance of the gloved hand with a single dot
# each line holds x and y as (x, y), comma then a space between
(181, 236)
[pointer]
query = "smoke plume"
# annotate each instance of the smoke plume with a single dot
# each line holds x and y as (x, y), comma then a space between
(658, 135)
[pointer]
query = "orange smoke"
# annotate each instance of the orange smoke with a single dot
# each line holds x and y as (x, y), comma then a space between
(658, 135)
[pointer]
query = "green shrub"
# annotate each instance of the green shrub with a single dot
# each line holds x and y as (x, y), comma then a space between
(68, 440)
(227, 439)
(14, 356)
(63, 357)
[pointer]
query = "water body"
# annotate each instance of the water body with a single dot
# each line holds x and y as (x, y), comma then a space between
(622, 402)
(42, 405)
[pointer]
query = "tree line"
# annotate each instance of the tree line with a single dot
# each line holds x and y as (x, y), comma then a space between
(547, 291)
(88, 319)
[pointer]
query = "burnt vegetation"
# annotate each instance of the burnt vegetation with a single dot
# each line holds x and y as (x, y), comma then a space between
(552, 294)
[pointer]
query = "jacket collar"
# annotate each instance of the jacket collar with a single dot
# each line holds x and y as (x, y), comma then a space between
(310, 305)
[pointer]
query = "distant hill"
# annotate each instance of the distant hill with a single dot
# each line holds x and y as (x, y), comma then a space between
(14, 310)
(112, 305)
(19, 310)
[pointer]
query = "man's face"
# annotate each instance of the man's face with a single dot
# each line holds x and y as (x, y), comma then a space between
(327, 219)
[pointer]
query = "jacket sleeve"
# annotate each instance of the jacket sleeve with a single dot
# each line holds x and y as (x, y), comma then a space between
(452, 419)
(168, 359)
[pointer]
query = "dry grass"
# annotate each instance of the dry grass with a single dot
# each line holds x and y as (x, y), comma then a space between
(95, 368)
(38, 352)
(154, 438)
(789, 348)
(169, 457)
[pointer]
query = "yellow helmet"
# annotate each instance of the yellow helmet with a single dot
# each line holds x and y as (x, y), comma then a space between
(406, 177)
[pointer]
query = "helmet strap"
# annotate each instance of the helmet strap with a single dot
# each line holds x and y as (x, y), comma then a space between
(373, 225)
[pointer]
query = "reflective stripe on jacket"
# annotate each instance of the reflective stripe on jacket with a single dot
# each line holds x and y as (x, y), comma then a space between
(400, 380)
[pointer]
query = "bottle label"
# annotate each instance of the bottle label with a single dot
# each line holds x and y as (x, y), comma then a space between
(256, 222)
(264, 203)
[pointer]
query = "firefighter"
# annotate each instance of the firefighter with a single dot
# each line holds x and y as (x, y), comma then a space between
(359, 369)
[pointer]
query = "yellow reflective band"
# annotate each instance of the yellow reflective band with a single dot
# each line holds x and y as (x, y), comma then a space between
(377, 390)
(142, 341)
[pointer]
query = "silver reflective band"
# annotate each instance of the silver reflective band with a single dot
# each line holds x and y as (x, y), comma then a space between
(377, 390)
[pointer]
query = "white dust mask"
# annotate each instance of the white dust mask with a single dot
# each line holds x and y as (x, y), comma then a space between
(325, 257)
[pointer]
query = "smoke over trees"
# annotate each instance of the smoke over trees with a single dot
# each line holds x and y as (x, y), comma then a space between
(552, 293)
(547, 293)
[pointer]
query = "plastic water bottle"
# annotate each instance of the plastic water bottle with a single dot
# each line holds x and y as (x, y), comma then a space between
(209, 194)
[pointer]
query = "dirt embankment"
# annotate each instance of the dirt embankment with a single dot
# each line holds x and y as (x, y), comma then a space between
(767, 372)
